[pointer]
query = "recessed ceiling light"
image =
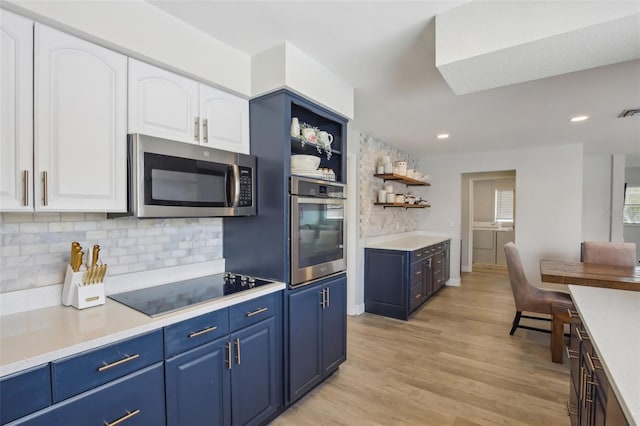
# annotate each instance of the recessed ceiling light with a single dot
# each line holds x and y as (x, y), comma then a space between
(443, 136)
(579, 118)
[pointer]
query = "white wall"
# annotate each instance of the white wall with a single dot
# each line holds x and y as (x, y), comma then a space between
(287, 66)
(548, 201)
(596, 198)
(145, 32)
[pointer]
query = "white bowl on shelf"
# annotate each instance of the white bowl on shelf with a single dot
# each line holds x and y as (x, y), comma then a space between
(304, 162)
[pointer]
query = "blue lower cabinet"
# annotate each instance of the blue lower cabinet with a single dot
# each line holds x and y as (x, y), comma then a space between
(198, 386)
(334, 326)
(235, 380)
(317, 334)
(135, 400)
(24, 392)
(256, 390)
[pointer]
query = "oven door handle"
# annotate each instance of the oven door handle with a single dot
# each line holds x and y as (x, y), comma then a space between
(233, 183)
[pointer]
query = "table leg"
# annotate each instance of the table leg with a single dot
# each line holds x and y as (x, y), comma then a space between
(559, 318)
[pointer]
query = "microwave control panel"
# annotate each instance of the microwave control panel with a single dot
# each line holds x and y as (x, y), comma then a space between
(246, 187)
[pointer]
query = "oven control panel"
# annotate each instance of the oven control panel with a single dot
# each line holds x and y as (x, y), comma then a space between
(317, 188)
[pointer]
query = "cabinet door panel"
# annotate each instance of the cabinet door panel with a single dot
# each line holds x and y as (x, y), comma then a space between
(162, 103)
(305, 328)
(334, 331)
(198, 386)
(16, 109)
(80, 131)
(254, 389)
(140, 396)
(227, 120)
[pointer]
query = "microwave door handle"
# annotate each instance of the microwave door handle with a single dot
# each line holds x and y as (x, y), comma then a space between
(235, 186)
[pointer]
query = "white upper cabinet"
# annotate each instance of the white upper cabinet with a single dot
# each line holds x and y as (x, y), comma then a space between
(162, 103)
(170, 106)
(225, 120)
(16, 112)
(80, 125)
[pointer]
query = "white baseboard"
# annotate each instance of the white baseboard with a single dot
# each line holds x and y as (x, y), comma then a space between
(465, 269)
(454, 282)
(356, 309)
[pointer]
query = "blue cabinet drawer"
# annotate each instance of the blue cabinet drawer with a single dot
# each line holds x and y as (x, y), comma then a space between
(253, 311)
(419, 254)
(24, 392)
(87, 370)
(133, 400)
(196, 331)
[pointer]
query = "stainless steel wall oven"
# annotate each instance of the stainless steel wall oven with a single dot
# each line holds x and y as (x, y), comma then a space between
(317, 229)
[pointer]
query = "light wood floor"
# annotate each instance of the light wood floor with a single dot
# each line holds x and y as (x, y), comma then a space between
(452, 363)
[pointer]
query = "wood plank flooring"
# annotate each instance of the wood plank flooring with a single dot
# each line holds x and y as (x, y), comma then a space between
(452, 363)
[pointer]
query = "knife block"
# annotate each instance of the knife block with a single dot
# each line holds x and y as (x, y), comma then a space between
(78, 295)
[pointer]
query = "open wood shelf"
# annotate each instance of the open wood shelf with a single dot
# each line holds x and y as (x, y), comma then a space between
(405, 205)
(403, 179)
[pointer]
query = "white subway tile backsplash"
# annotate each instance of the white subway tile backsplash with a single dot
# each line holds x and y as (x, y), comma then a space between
(33, 227)
(60, 226)
(376, 220)
(34, 247)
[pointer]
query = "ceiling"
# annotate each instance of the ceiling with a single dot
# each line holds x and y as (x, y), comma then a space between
(386, 51)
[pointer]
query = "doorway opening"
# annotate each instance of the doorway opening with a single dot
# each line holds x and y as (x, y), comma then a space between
(488, 218)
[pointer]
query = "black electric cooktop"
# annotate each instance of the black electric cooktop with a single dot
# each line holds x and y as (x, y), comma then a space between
(166, 298)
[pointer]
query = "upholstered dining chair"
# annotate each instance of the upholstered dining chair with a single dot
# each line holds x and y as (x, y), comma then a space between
(529, 298)
(610, 253)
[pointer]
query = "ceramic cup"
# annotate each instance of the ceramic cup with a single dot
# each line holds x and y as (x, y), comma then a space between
(325, 138)
(295, 127)
(391, 198)
(309, 135)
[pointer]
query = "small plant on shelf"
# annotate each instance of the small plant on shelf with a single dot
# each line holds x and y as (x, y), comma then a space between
(320, 144)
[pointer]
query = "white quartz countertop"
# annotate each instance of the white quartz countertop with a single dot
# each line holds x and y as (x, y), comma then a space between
(404, 242)
(612, 319)
(39, 336)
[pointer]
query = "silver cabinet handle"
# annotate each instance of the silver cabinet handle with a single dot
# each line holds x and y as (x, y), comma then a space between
(25, 187)
(45, 189)
(237, 342)
(206, 330)
(122, 361)
(205, 130)
(123, 418)
(257, 311)
(196, 134)
(228, 348)
(327, 305)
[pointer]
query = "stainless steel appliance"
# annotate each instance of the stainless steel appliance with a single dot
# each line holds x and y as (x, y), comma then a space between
(162, 299)
(317, 229)
(176, 179)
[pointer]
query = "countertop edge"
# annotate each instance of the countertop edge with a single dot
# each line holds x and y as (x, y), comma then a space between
(153, 324)
(631, 415)
(404, 242)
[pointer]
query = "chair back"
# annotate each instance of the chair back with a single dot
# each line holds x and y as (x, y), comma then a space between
(521, 287)
(610, 253)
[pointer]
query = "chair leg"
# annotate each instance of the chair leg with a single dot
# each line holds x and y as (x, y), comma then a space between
(516, 321)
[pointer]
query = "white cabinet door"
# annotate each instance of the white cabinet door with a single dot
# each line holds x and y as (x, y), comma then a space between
(80, 124)
(225, 120)
(16, 113)
(162, 103)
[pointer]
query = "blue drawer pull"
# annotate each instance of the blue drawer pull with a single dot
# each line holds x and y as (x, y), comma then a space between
(123, 418)
(122, 361)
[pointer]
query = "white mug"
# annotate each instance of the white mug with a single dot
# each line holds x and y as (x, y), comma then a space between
(309, 135)
(325, 137)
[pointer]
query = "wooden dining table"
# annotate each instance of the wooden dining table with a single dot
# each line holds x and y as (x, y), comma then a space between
(588, 274)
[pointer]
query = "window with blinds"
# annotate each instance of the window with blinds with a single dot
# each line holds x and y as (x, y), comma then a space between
(631, 210)
(504, 205)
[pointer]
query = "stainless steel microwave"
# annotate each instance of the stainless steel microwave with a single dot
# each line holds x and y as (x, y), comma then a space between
(176, 179)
